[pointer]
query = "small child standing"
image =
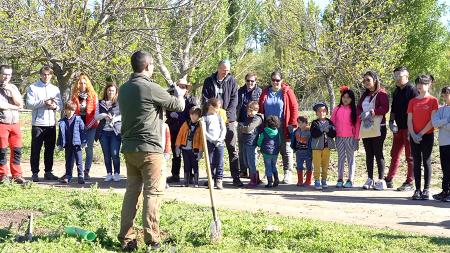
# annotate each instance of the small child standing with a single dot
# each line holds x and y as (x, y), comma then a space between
(189, 144)
(301, 144)
(269, 142)
(71, 138)
(215, 135)
(322, 133)
(249, 136)
(441, 120)
(344, 118)
(421, 133)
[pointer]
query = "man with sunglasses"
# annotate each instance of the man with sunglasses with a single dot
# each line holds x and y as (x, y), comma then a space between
(404, 92)
(246, 94)
(222, 85)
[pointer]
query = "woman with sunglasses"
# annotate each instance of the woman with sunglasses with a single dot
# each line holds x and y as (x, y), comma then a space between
(279, 100)
(373, 102)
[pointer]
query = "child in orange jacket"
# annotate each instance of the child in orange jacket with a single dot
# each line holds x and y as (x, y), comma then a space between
(189, 143)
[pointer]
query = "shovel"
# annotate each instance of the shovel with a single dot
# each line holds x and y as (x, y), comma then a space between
(216, 226)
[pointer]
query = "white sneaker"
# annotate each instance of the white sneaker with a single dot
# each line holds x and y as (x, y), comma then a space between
(380, 185)
(116, 177)
(287, 177)
(108, 177)
(368, 184)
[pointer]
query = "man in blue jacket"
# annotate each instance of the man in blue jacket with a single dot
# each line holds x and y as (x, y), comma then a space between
(222, 85)
(246, 94)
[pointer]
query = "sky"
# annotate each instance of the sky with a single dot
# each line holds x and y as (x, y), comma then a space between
(445, 19)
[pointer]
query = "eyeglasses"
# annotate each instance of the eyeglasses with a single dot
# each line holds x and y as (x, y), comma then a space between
(276, 80)
(250, 81)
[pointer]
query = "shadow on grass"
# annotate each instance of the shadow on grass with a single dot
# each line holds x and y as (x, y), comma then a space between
(444, 224)
(441, 241)
(5, 233)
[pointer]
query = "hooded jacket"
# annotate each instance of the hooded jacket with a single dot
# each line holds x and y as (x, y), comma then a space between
(269, 141)
(37, 93)
(250, 129)
(318, 137)
(254, 96)
(229, 96)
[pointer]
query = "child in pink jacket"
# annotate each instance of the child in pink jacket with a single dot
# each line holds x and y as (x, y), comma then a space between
(344, 118)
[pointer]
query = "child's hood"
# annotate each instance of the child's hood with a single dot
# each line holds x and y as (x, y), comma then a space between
(271, 132)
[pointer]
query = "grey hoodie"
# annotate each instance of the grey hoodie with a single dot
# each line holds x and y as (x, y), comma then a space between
(37, 93)
(441, 120)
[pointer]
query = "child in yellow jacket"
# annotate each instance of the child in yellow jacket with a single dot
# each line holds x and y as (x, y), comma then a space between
(189, 144)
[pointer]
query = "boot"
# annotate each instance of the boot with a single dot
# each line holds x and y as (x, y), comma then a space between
(300, 178)
(308, 178)
(186, 178)
(258, 180)
(196, 180)
(276, 180)
(253, 183)
(269, 182)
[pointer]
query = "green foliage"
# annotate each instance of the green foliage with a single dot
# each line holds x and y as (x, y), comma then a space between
(188, 227)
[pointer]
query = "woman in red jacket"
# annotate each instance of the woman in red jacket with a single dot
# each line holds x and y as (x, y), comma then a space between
(367, 109)
(279, 100)
(86, 99)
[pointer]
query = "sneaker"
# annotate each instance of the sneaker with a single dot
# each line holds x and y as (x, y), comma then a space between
(116, 177)
(50, 176)
(324, 184)
(19, 180)
(348, 184)
(35, 177)
(380, 185)
(108, 177)
(86, 176)
(425, 195)
(417, 195)
(446, 198)
(406, 187)
(440, 196)
(286, 177)
(64, 179)
(317, 185)
(368, 184)
(173, 179)
(81, 180)
(339, 183)
(219, 184)
(130, 246)
(389, 183)
(237, 182)
(4, 179)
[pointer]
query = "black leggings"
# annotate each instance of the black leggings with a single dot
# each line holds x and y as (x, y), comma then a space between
(374, 148)
(444, 153)
(422, 153)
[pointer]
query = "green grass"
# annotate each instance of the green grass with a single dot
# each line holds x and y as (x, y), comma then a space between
(188, 227)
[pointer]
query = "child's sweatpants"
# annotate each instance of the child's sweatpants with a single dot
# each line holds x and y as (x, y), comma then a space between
(249, 157)
(303, 156)
(346, 151)
(321, 161)
(190, 162)
(73, 153)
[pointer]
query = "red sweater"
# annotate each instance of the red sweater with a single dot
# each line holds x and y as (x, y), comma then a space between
(91, 106)
(290, 110)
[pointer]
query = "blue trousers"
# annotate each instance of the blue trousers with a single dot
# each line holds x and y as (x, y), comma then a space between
(110, 143)
(304, 156)
(216, 155)
(90, 137)
(249, 157)
(73, 153)
(189, 161)
(270, 164)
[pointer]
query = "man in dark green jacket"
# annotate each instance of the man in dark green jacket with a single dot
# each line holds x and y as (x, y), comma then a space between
(142, 103)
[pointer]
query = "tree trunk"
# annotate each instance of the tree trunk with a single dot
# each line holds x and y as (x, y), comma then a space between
(329, 83)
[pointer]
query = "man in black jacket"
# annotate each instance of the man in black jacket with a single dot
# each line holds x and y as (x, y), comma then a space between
(246, 94)
(222, 85)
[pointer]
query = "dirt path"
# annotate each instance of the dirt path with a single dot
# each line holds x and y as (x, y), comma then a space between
(381, 209)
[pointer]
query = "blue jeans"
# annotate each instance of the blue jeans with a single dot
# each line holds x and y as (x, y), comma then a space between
(110, 143)
(189, 161)
(216, 155)
(249, 157)
(304, 156)
(73, 153)
(270, 164)
(90, 136)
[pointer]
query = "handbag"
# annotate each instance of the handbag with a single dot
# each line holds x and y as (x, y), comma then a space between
(375, 129)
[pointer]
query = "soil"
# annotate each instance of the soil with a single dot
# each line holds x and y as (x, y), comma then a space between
(380, 209)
